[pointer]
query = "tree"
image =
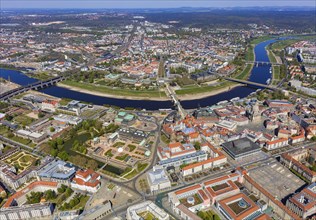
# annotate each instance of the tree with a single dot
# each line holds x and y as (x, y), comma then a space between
(197, 146)
(68, 191)
(59, 141)
(313, 138)
(40, 114)
(49, 195)
(10, 134)
(92, 164)
(34, 197)
(52, 129)
(63, 155)
(53, 152)
(62, 189)
(60, 147)
(216, 217)
(8, 117)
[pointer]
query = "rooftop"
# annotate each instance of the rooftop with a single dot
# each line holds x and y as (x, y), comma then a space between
(57, 169)
(157, 176)
(240, 147)
(276, 179)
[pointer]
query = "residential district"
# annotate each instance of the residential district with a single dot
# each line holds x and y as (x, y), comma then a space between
(249, 158)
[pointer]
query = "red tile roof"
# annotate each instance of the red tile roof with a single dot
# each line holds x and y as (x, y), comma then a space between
(28, 189)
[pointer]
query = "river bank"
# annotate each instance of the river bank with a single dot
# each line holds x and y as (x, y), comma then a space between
(181, 97)
(77, 89)
(195, 96)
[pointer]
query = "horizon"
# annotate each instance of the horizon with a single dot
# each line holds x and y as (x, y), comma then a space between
(161, 4)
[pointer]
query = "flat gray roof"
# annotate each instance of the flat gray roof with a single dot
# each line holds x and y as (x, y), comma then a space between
(240, 147)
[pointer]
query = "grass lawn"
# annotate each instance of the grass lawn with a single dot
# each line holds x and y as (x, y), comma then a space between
(21, 140)
(250, 55)
(236, 208)
(64, 101)
(141, 166)
(123, 157)
(208, 215)
(23, 119)
(197, 200)
(4, 130)
(220, 186)
(108, 153)
(111, 186)
(116, 91)
(6, 149)
(260, 39)
(118, 144)
(83, 202)
(253, 198)
(165, 139)
(202, 89)
(271, 56)
(147, 215)
(276, 75)
(89, 113)
(131, 147)
(245, 73)
(21, 160)
(131, 174)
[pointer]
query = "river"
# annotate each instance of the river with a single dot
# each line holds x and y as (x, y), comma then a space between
(259, 74)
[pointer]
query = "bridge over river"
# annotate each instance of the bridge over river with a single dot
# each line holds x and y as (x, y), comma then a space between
(253, 83)
(36, 86)
(262, 63)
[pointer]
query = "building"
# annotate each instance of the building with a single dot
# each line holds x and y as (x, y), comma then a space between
(132, 134)
(73, 120)
(73, 107)
(86, 180)
(158, 179)
(19, 197)
(276, 143)
(279, 104)
(175, 150)
(293, 161)
(57, 171)
(34, 211)
(177, 154)
(9, 175)
(147, 208)
(243, 147)
(123, 117)
(304, 203)
(186, 201)
(36, 137)
(215, 159)
(238, 207)
(269, 184)
(97, 212)
(49, 105)
(222, 187)
(229, 125)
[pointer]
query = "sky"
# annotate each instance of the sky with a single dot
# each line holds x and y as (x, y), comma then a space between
(149, 3)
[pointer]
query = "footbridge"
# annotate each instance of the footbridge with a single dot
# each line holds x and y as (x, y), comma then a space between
(245, 82)
(35, 86)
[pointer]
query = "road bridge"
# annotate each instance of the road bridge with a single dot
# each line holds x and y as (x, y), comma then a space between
(175, 100)
(252, 83)
(263, 63)
(35, 86)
